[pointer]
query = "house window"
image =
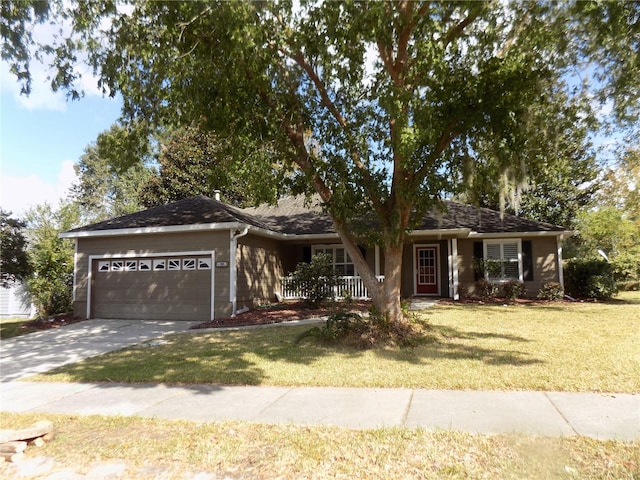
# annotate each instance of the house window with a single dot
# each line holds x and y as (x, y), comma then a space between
(117, 266)
(503, 260)
(160, 264)
(189, 264)
(173, 264)
(103, 266)
(204, 264)
(144, 265)
(131, 265)
(342, 263)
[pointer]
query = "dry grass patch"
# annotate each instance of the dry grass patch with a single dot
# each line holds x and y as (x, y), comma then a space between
(150, 448)
(557, 347)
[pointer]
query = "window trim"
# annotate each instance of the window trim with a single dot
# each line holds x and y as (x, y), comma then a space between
(502, 242)
(333, 247)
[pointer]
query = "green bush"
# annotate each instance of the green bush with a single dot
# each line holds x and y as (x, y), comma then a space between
(487, 289)
(589, 279)
(629, 286)
(316, 281)
(552, 291)
(338, 325)
(513, 289)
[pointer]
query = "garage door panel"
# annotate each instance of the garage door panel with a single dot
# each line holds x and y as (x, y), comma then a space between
(161, 295)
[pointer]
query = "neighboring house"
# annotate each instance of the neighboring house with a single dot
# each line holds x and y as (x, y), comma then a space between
(198, 258)
(14, 304)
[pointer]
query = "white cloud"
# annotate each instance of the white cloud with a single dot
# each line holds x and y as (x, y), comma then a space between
(21, 193)
(41, 96)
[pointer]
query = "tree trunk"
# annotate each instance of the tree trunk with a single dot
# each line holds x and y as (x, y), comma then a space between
(387, 300)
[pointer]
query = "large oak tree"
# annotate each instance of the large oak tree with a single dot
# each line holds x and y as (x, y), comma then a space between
(378, 107)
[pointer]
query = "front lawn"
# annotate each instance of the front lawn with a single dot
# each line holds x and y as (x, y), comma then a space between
(151, 448)
(558, 347)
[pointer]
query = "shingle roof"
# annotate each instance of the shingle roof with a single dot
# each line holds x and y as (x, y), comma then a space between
(190, 211)
(482, 220)
(300, 216)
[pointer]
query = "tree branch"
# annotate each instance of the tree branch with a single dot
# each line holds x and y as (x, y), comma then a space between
(326, 100)
(457, 30)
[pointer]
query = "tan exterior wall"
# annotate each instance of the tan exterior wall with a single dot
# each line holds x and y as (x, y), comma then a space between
(149, 244)
(466, 274)
(545, 264)
(259, 271)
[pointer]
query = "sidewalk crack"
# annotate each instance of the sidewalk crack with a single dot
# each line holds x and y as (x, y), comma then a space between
(566, 420)
(403, 422)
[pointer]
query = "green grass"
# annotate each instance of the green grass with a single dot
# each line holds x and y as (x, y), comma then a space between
(14, 327)
(558, 347)
(152, 448)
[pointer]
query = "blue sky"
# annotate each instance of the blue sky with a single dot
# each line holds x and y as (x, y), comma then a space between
(42, 136)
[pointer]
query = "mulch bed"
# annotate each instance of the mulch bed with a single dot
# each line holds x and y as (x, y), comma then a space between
(277, 313)
(56, 321)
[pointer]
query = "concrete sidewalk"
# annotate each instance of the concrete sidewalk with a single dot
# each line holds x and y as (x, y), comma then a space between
(601, 416)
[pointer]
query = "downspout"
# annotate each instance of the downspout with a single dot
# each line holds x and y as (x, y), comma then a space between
(559, 253)
(233, 272)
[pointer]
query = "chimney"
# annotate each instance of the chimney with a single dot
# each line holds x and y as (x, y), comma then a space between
(216, 195)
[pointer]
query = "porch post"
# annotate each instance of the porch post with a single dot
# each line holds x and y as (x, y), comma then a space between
(454, 267)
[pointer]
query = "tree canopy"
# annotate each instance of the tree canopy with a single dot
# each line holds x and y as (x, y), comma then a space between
(192, 162)
(14, 262)
(103, 190)
(378, 107)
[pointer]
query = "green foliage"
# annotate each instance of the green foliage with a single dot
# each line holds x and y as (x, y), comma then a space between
(51, 285)
(589, 279)
(14, 262)
(513, 289)
(316, 281)
(551, 291)
(103, 191)
(379, 107)
(373, 331)
(338, 325)
(486, 289)
(194, 162)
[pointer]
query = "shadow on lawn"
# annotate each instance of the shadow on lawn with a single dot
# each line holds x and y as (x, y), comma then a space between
(241, 357)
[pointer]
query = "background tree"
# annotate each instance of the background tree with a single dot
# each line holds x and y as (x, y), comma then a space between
(561, 165)
(14, 262)
(195, 162)
(620, 187)
(103, 190)
(51, 284)
(377, 105)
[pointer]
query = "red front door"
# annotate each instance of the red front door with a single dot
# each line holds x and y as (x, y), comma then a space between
(427, 270)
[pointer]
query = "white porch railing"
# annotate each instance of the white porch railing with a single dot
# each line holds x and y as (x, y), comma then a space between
(349, 286)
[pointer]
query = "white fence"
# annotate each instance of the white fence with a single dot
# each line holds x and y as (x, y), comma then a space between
(349, 287)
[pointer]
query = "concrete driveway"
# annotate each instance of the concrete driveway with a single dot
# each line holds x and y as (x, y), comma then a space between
(41, 351)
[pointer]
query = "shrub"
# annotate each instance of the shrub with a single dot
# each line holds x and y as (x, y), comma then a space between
(487, 289)
(374, 331)
(629, 286)
(316, 281)
(589, 279)
(513, 289)
(338, 325)
(552, 291)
